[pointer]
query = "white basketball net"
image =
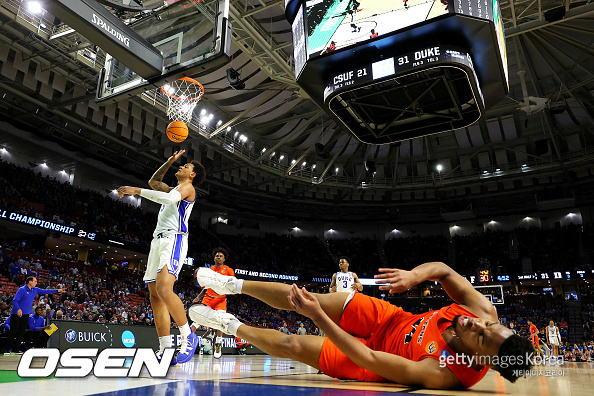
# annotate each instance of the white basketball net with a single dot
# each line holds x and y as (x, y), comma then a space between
(182, 97)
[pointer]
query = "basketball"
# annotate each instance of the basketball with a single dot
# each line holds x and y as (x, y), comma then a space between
(177, 131)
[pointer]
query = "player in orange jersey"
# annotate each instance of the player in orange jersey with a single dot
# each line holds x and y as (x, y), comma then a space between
(218, 302)
(368, 339)
(534, 336)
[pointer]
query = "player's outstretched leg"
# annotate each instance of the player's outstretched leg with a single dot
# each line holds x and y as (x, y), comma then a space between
(273, 294)
(175, 307)
(305, 349)
(162, 322)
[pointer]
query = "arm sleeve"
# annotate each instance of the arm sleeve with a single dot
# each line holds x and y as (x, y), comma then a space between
(45, 291)
(161, 197)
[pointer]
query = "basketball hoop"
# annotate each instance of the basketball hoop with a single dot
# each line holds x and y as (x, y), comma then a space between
(182, 97)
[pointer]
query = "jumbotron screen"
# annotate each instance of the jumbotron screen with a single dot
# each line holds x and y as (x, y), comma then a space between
(334, 24)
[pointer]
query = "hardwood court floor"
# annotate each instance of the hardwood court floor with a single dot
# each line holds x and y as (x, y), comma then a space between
(264, 375)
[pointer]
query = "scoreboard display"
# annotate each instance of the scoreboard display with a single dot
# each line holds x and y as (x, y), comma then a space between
(360, 60)
(349, 22)
(487, 276)
(401, 64)
(335, 24)
(484, 276)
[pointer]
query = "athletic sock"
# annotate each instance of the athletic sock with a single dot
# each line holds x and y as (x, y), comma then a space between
(185, 330)
(238, 286)
(233, 326)
(164, 342)
(219, 340)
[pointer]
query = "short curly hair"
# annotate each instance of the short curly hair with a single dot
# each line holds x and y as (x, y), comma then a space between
(220, 250)
(515, 357)
(346, 258)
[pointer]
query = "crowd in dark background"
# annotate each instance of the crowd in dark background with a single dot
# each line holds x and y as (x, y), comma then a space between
(285, 254)
(587, 301)
(102, 291)
(505, 252)
(116, 296)
(111, 296)
(32, 194)
(45, 197)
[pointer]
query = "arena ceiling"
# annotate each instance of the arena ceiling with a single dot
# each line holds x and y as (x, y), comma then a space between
(516, 159)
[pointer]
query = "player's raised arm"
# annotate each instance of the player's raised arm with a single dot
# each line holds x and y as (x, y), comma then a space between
(156, 181)
(160, 197)
(458, 288)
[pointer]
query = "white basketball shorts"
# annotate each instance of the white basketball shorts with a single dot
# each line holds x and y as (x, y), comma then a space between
(166, 251)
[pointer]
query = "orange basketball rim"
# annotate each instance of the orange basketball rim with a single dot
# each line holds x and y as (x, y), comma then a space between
(183, 88)
(182, 97)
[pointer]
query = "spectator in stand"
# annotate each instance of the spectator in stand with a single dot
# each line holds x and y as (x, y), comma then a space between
(301, 330)
(21, 309)
(15, 271)
(284, 329)
(35, 336)
(512, 327)
(577, 353)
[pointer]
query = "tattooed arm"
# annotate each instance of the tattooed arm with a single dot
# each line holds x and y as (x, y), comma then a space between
(156, 181)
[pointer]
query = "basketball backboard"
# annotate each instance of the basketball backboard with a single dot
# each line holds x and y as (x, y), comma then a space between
(493, 292)
(189, 35)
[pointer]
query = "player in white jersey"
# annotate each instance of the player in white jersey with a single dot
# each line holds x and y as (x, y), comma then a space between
(345, 280)
(168, 250)
(553, 337)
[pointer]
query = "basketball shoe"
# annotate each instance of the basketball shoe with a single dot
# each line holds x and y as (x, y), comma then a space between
(220, 284)
(173, 361)
(218, 320)
(218, 350)
(187, 349)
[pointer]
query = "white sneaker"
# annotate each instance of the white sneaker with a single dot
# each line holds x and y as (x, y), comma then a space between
(218, 351)
(220, 284)
(218, 320)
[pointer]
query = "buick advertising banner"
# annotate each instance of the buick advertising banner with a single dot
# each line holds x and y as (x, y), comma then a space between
(72, 334)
